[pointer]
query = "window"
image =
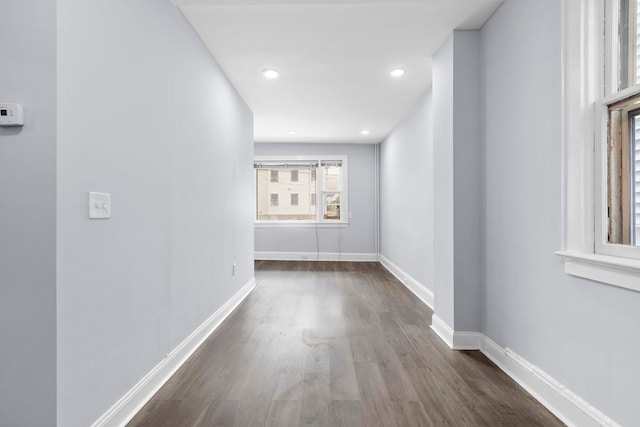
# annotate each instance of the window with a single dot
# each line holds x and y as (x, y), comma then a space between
(331, 189)
(625, 36)
(332, 206)
(636, 180)
(601, 132)
(623, 163)
(301, 189)
(622, 137)
(616, 211)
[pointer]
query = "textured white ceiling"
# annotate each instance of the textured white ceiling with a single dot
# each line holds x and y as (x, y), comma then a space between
(333, 58)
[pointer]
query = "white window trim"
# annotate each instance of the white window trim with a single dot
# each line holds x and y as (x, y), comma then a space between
(320, 222)
(300, 224)
(583, 101)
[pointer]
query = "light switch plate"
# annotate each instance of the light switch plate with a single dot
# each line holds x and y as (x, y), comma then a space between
(99, 205)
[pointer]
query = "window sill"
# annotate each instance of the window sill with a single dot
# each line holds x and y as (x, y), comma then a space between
(621, 272)
(281, 224)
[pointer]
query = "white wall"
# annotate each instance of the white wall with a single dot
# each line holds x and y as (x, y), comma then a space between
(582, 333)
(457, 181)
(467, 179)
(28, 216)
(443, 224)
(359, 236)
(145, 114)
(406, 194)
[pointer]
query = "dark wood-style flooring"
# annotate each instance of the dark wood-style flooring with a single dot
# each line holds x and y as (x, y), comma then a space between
(336, 344)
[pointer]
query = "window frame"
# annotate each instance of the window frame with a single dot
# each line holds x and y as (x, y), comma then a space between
(587, 92)
(319, 221)
(610, 95)
(602, 159)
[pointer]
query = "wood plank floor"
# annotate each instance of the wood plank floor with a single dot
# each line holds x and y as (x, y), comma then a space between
(336, 344)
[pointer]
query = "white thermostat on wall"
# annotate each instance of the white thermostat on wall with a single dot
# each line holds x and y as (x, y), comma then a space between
(11, 115)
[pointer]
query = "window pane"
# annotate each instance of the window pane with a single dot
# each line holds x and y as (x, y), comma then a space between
(628, 36)
(623, 172)
(332, 178)
(623, 141)
(332, 206)
(636, 181)
(279, 197)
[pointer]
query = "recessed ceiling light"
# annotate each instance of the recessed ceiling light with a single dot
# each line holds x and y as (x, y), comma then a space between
(292, 132)
(270, 73)
(397, 72)
(364, 132)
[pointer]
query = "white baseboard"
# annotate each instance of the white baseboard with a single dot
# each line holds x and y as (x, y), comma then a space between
(420, 290)
(467, 340)
(129, 405)
(456, 340)
(314, 256)
(442, 330)
(562, 402)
